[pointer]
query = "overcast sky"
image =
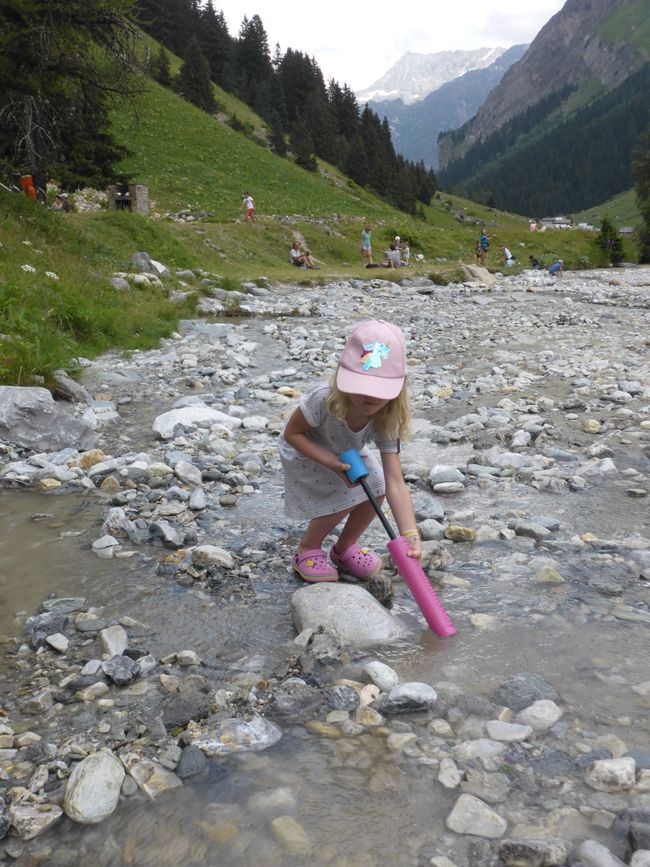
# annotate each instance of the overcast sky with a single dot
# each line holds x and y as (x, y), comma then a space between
(356, 43)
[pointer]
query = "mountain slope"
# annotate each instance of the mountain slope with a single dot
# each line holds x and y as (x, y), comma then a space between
(210, 169)
(571, 145)
(415, 128)
(588, 42)
(416, 75)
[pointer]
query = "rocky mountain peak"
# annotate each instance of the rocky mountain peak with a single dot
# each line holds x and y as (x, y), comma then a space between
(414, 76)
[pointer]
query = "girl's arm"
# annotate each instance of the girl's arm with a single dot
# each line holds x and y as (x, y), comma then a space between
(295, 434)
(400, 502)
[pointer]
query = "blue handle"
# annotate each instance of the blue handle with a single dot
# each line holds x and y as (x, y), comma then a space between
(357, 469)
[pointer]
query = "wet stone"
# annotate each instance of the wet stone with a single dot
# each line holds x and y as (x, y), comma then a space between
(341, 697)
(121, 670)
(42, 625)
(192, 761)
(523, 689)
(552, 763)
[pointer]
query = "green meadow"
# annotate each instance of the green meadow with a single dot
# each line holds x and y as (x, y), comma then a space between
(192, 161)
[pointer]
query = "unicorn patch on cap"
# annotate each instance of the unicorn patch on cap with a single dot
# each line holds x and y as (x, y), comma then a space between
(373, 354)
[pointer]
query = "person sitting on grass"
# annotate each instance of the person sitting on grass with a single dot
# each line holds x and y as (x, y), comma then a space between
(301, 258)
(392, 257)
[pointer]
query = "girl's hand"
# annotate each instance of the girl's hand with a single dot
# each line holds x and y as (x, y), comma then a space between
(340, 469)
(415, 546)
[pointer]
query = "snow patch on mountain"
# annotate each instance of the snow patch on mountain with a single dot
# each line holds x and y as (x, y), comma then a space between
(414, 76)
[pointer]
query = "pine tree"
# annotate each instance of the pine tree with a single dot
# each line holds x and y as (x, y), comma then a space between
(252, 57)
(161, 69)
(56, 88)
(303, 147)
(641, 171)
(276, 135)
(216, 44)
(609, 242)
(193, 82)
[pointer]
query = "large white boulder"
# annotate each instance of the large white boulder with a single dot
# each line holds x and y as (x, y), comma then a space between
(347, 611)
(94, 788)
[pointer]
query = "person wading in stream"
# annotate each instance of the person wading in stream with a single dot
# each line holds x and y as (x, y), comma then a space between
(366, 402)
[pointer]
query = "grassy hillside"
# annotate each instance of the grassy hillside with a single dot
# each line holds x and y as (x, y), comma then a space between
(56, 296)
(622, 210)
(191, 160)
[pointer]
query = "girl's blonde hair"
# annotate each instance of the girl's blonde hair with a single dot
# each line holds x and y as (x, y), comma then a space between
(393, 420)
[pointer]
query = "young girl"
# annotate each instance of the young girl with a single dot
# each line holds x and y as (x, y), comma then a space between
(366, 402)
(366, 245)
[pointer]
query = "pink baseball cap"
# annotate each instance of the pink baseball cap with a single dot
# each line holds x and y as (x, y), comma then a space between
(373, 362)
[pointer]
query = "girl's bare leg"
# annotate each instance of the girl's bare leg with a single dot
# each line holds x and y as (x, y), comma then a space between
(357, 523)
(318, 529)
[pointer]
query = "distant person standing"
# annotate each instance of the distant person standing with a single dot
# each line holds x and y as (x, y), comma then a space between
(508, 258)
(249, 207)
(535, 264)
(366, 246)
(484, 241)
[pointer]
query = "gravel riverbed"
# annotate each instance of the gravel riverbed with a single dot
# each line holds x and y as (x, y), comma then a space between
(171, 694)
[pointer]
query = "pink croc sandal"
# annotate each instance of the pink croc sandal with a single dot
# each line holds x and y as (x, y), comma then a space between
(312, 566)
(360, 562)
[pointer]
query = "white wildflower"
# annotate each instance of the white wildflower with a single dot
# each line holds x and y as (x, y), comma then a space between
(51, 275)
(29, 268)
(27, 243)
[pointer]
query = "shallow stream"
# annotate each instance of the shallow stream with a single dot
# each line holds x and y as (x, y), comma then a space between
(360, 804)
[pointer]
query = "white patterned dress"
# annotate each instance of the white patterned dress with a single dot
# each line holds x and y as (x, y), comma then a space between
(312, 490)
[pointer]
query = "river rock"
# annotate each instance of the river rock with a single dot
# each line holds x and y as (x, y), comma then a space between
(612, 775)
(191, 762)
(192, 700)
(491, 787)
(295, 698)
(114, 641)
(212, 555)
(408, 698)
(30, 820)
(470, 815)
(93, 789)
(347, 611)
(58, 641)
(591, 853)
(233, 736)
(448, 774)
(188, 473)
(167, 424)
(641, 858)
(381, 675)
(42, 625)
(291, 835)
(540, 715)
(30, 418)
(121, 669)
(521, 690)
(150, 776)
(456, 533)
(69, 388)
(547, 852)
(508, 732)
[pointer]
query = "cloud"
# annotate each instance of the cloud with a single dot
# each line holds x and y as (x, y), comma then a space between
(356, 44)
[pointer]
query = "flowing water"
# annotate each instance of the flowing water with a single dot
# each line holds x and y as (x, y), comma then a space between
(359, 803)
